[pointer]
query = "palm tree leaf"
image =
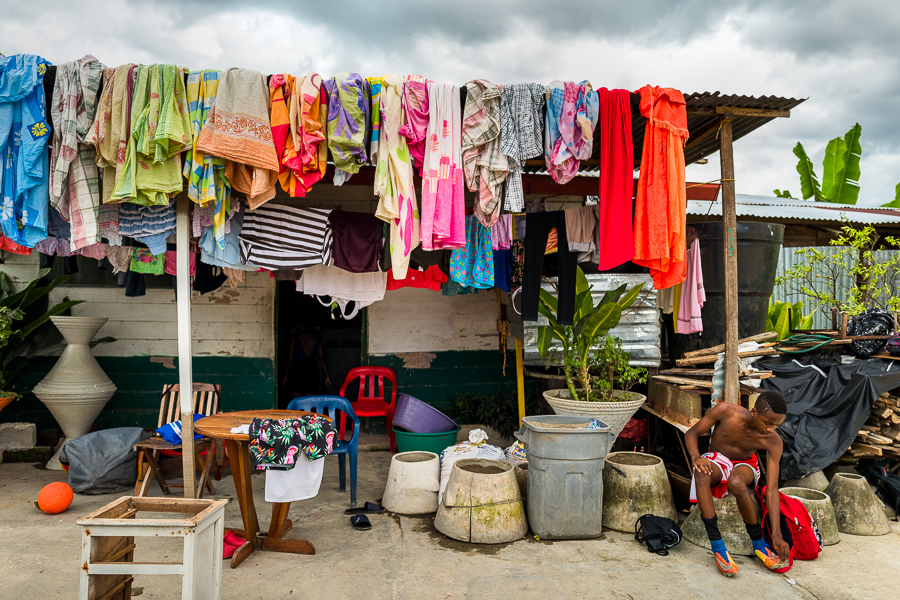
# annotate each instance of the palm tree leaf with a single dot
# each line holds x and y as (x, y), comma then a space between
(809, 183)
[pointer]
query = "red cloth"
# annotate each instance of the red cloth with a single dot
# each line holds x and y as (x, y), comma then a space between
(659, 212)
(10, 246)
(429, 279)
(616, 179)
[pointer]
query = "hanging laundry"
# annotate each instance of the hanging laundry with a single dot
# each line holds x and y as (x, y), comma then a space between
(415, 108)
(205, 216)
(286, 237)
(299, 113)
(229, 254)
(665, 300)
(144, 261)
(443, 196)
(74, 177)
(343, 287)
(473, 266)
(501, 233)
(108, 223)
(59, 235)
(521, 135)
(485, 164)
(693, 295)
(539, 227)
(581, 222)
(429, 279)
(659, 212)
(119, 257)
(207, 185)
(616, 179)
(394, 180)
(348, 118)
(111, 128)
(238, 130)
(503, 268)
(375, 111)
(572, 111)
(160, 131)
(170, 263)
(150, 225)
(357, 241)
(24, 163)
(8, 245)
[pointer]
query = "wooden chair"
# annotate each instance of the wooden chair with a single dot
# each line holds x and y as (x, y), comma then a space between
(206, 402)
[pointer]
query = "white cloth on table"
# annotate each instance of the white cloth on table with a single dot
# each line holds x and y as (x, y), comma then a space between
(245, 428)
(300, 483)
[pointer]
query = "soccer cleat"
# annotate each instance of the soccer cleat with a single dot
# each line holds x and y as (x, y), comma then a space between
(725, 565)
(770, 559)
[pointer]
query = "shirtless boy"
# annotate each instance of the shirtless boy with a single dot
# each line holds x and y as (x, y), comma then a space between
(731, 466)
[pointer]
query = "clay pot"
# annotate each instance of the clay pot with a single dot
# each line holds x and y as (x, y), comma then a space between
(5, 400)
(635, 484)
(413, 483)
(820, 509)
(731, 526)
(481, 503)
(858, 510)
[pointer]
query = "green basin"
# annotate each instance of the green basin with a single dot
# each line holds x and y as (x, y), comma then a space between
(424, 442)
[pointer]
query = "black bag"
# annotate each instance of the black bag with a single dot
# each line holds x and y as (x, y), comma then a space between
(893, 346)
(659, 533)
(888, 484)
(871, 322)
(103, 462)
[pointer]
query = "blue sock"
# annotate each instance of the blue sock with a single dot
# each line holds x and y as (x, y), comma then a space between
(719, 546)
(759, 544)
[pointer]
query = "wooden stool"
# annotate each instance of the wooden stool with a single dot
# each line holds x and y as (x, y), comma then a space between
(107, 547)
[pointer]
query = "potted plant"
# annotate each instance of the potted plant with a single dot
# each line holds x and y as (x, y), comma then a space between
(7, 316)
(597, 370)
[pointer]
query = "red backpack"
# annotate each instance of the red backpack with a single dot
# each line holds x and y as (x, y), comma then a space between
(797, 527)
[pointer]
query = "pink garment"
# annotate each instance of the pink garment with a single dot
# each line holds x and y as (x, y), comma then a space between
(169, 266)
(415, 106)
(443, 200)
(501, 233)
(692, 293)
(97, 251)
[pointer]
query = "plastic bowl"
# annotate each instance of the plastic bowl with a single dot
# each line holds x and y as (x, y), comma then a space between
(424, 442)
(420, 417)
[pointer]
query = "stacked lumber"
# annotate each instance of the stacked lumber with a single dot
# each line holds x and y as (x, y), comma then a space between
(880, 435)
(700, 380)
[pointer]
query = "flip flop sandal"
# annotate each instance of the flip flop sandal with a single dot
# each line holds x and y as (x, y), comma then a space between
(228, 550)
(233, 539)
(360, 522)
(369, 508)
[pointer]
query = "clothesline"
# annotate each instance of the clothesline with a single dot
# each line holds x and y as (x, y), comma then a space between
(125, 140)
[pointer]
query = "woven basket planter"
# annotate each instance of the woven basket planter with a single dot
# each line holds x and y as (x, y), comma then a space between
(615, 414)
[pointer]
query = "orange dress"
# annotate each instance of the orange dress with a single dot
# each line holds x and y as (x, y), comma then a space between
(659, 212)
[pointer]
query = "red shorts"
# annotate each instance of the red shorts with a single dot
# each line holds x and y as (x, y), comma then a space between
(726, 465)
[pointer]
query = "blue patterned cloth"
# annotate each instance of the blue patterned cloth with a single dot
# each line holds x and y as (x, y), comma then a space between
(150, 225)
(473, 266)
(24, 160)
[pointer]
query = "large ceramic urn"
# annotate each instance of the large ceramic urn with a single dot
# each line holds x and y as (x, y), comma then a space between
(76, 389)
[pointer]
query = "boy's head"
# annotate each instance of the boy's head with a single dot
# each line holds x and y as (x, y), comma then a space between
(769, 411)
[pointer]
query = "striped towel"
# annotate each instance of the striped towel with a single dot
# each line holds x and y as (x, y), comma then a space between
(286, 237)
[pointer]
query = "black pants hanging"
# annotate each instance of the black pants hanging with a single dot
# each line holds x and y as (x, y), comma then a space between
(537, 229)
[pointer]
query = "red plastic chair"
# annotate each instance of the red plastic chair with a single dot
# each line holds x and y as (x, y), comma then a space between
(371, 401)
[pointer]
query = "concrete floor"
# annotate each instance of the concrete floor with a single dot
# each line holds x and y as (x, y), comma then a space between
(406, 558)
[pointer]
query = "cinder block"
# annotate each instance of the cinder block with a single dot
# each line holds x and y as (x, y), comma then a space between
(17, 435)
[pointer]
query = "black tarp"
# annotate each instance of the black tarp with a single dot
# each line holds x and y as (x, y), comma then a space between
(827, 404)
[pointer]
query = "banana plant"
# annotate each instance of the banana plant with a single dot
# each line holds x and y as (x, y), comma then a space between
(841, 171)
(584, 343)
(779, 322)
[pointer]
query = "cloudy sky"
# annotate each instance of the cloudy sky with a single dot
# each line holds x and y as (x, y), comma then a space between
(843, 56)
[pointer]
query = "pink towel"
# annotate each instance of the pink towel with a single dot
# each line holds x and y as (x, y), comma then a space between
(692, 294)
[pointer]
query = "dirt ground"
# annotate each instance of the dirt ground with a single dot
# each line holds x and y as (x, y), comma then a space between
(406, 558)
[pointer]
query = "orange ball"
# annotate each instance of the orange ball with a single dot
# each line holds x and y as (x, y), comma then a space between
(55, 498)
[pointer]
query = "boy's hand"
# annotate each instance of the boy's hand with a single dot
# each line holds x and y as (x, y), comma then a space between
(703, 465)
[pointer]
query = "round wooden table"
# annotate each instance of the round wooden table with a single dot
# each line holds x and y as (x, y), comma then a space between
(238, 446)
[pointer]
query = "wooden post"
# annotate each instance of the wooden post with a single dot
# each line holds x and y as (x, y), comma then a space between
(729, 227)
(185, 374)
(520, 379)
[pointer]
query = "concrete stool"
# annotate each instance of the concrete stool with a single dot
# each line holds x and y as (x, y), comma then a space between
(813, 481)
(820, 509)
(107, 546)
(521, 471)
(481, 503)
(731, 526)
(858, 511)
(413, 483)
(635, 484)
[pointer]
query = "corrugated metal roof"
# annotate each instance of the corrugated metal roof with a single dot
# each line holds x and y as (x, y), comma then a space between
(638, 329)
(787, 209)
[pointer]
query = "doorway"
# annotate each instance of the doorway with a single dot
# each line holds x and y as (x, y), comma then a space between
(303, 322)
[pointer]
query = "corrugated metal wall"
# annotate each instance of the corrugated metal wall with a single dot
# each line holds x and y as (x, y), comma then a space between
(638, 329)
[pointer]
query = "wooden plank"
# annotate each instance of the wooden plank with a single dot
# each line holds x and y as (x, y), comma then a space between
(233, 348)
(135, 568)
(867, 448)
(737, 111)
(684, 381)
(699, 360)
(762, 337)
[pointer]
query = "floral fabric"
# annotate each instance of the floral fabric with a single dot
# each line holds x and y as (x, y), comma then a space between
(144, 261)
(473, 266)
(275, 443)
(572, 113)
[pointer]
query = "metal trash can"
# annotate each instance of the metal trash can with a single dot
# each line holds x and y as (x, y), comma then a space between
(565, 475)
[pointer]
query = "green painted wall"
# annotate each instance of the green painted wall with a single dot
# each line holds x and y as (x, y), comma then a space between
(478, 372)
(247, 383)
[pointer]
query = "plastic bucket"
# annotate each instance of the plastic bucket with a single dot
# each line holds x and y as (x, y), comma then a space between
(408, 441)
(565, 475)
(417, 416)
